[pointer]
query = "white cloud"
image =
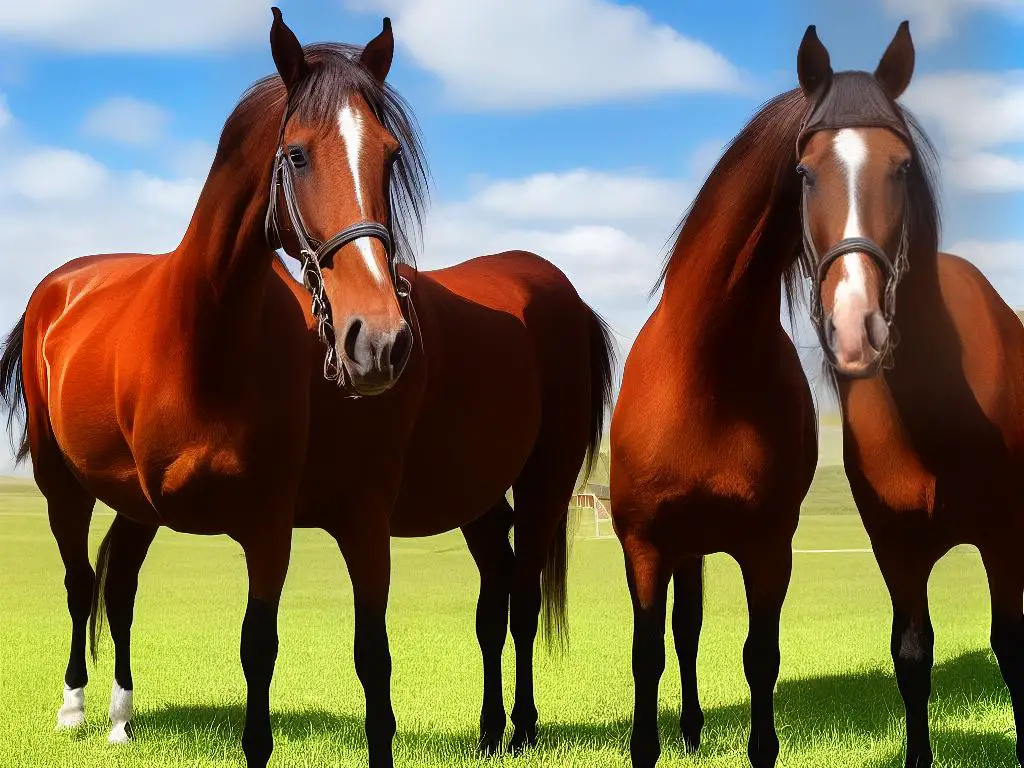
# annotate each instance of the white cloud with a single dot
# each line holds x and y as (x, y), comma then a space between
(985, 172)
(585, 195)
(192, 159)
(133, 26)
(935, 20)
(45, 176)
(126, 120)
(606, 231)
(974, 109)
(5, 113)
(495, 54)
(976, 119)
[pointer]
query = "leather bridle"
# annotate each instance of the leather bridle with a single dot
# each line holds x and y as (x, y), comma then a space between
(892, 271)
(313, 254)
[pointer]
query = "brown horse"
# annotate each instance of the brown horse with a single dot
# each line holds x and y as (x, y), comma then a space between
(505, 347)
(713, 439)
(176, 388)
(934, 426)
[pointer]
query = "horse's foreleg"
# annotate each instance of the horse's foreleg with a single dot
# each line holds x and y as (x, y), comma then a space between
(267, 552)
(912, 643)
(1006, 583)
(766, 574)
(367, 551)
(647, 577)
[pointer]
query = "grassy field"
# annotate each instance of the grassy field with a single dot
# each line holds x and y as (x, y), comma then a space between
(836, 698)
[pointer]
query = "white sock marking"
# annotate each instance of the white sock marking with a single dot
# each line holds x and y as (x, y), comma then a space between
(852, 151)
(72, 712)
(350, 126)
(120, 714)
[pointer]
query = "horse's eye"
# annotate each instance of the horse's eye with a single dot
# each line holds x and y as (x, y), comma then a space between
(297, 157)
(805, 172)
(904, 168)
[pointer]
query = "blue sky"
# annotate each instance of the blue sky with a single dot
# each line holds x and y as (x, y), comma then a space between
(576, 128)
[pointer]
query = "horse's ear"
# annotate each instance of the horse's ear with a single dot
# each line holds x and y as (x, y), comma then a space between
(897, 64)
(377, 54)
(813, 64)
(287, 52)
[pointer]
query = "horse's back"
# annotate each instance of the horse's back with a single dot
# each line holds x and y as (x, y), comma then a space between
(991, 339)
(503, 335)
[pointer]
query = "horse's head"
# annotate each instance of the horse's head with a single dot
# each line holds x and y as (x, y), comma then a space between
(857, 158)
(331, 201)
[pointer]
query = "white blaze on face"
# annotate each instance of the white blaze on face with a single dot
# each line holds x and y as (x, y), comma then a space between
(851, 294)
(350, 126)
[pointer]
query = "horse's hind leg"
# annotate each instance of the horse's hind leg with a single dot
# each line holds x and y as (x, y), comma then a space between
(488, 542)
(69, 508)
(912, 643)
(687, 617)
(540, 515)
(766, 574)
(128, 544)
(1006, 582)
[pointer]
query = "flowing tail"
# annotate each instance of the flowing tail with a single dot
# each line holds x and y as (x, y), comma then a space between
(554, 576)
(12, 389)
(98, 608)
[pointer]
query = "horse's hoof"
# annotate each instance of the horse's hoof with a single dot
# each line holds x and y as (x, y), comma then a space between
(522, 740)
(489, 745)
(68, 720)
(120, 715)
(121, 733)
(72, 713)
(690, 726)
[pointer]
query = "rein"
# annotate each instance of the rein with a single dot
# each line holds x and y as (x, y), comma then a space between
(313, 253)
(892, 270)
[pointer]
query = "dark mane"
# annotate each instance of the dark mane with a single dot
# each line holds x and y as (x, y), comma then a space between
(336, 72)
(755, 179)
(746, 183)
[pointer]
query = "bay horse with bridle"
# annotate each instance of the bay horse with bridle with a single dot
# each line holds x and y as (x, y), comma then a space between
(503, 346)
(713, 437)
(176, 388)
(933, 425)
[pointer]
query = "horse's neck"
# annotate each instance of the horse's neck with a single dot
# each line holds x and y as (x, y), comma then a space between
(225, 246)
(734, 288)
(927, 378)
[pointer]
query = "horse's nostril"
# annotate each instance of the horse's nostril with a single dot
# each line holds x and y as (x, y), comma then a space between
(877, 330)
(401, 347)
(355, 328)
(830, 331)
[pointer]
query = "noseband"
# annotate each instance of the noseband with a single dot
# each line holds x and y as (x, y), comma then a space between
(892, 271)
(313, 254)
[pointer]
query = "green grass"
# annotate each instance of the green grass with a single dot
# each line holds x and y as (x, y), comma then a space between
(836, 699)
